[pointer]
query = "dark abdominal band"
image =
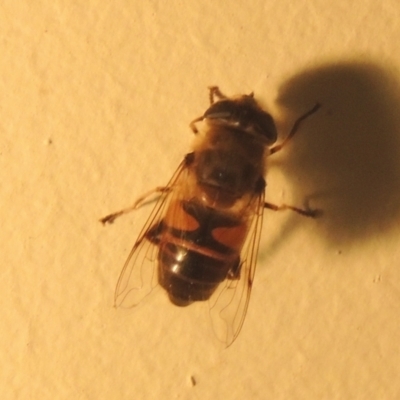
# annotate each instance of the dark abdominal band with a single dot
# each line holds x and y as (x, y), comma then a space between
(188, 275)
(192, 263)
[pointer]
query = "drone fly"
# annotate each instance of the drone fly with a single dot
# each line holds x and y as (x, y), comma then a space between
(201, 240)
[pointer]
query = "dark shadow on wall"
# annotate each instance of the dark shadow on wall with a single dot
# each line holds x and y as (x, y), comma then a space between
(346, 158)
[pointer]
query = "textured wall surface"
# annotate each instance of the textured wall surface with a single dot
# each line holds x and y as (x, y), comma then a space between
(95, 102)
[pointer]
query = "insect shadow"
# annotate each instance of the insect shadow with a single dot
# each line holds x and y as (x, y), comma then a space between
(348, 161)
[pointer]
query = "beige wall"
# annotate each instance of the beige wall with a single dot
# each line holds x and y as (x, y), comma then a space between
(95, 101)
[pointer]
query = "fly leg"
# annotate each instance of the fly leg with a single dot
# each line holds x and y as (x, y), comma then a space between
(294, 129)
(234, 272)
(305, 212)
(193, 126)
(215, 92)
(109, 219)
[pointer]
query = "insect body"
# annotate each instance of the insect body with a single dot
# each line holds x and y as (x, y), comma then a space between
(200, 242)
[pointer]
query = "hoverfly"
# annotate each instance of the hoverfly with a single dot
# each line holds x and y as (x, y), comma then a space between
(201, 240)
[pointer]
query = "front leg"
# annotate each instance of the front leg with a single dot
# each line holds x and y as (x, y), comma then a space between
(109, 219)
(304, 212)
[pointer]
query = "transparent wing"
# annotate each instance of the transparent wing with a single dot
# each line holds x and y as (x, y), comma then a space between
(139, 274)
(228, 305)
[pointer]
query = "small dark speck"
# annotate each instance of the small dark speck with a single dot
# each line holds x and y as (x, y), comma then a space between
(193, 380)
(376, 279)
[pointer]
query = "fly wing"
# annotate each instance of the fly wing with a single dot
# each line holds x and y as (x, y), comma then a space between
(139, 274)
(228, 305)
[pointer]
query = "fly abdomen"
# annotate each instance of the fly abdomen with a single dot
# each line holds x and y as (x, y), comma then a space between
(196, 257)
(189, 275)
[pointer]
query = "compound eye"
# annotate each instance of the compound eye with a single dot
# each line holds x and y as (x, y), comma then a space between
(223, 109)
(265, 126)
(244, 114)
